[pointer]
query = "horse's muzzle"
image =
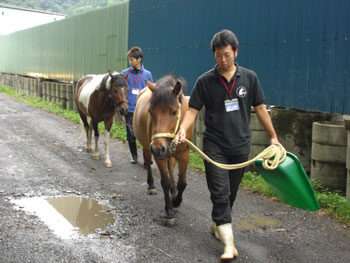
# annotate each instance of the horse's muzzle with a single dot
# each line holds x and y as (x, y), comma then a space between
(159, 152)
(123, 111)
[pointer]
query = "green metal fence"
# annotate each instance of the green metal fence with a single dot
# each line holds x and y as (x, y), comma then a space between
(89, 43)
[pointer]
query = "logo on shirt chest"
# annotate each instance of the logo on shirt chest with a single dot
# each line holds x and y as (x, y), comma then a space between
(241, 91)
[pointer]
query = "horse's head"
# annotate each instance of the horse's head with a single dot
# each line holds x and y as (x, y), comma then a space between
(165, 110)
(117, 87)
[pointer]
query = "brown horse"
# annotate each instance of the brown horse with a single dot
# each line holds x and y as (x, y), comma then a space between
(98, 97)
(160, 108)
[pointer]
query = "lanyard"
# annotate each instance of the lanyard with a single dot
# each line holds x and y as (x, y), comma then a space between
(229, 91)
(135, 79)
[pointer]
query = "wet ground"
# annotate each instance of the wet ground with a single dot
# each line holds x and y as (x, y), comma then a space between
(57, 204)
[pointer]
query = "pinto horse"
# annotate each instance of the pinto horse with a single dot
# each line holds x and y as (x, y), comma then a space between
(159, 110)
(98, 97)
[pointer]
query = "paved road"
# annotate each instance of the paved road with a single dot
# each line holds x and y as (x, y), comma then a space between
(41, 157)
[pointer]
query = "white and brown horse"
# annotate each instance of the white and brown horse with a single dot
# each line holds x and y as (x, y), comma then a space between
(159, 110)
(98, 97)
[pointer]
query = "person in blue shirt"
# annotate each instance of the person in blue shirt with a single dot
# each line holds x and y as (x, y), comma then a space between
(137, 81)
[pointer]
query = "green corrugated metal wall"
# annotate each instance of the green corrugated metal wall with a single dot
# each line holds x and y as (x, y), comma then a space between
(89, 43)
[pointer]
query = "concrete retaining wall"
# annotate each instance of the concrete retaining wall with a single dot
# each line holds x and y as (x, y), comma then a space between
(49, 90)
(347, 128)
(294, 130)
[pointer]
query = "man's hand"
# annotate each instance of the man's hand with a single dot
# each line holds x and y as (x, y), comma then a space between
(181, 135)
(190, 116)
(274, 140)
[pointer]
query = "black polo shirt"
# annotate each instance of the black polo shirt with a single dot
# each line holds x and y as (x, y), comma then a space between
(229, 130)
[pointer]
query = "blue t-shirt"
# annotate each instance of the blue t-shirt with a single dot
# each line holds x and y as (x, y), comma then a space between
(136, 81)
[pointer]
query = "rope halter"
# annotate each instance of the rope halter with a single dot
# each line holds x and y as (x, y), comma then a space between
(173, 144)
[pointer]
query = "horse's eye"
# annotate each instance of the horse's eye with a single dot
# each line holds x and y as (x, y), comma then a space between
(115, 89)
(174, 112)
(150, 112)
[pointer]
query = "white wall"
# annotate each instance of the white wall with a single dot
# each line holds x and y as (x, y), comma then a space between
(12, 19)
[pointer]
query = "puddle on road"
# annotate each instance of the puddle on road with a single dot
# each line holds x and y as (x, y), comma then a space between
(68, 215)
(255, 222)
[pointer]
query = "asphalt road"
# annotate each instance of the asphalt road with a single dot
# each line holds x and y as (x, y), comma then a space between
(42, 157)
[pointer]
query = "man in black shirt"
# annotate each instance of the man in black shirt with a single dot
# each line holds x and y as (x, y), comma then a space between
(227, 92)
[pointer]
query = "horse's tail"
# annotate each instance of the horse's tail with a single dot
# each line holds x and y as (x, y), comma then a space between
(83, 132)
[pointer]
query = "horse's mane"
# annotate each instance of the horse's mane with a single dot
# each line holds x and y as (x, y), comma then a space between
(117, 78)
(163, 96)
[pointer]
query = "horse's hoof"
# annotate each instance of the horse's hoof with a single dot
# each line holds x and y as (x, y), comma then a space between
(177, 202)
(152, 191)
(96, 157)
(108, 165)
(169, 221)
(89, 150)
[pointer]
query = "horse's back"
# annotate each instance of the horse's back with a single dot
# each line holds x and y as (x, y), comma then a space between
(86, 86)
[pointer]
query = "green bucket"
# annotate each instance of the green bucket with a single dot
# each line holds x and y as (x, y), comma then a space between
(290, 183)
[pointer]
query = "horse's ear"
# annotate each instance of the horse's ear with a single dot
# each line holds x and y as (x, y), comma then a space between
(110, 73)
(177, 88)
(126, 76)
(151, 85)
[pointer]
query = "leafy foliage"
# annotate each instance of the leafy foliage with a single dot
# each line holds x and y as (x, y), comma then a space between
(67, 7)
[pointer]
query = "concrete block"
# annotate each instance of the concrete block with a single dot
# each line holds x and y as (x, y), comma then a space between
(347, 122)
(348, 185)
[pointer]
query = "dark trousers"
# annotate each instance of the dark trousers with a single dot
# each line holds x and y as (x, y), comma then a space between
(129, 130)
(222, 184)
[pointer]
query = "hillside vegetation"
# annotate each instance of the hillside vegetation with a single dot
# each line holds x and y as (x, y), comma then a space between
(67, 7)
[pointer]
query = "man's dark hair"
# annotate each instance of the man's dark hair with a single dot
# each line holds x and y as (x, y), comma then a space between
(135, 52)
(224, 38)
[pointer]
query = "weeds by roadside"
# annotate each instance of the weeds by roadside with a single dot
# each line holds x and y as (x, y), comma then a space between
(333, 203)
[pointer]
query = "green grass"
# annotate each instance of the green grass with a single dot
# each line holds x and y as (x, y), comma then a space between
(257, 183)
(333, 204)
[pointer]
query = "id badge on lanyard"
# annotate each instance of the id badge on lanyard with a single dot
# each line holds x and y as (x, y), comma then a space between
(231, 105)
(135, 91)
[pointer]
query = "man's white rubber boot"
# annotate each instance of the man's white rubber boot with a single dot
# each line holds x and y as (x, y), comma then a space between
(226, 238)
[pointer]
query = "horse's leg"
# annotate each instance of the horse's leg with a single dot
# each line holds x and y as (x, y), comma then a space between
(94, 124)
(171, 166)
(148, 160)
(89, 138)
(86, 126)
(108, 125)
(169, 219)
(182, 160)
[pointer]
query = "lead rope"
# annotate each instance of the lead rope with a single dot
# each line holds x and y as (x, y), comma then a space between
(272, 156)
